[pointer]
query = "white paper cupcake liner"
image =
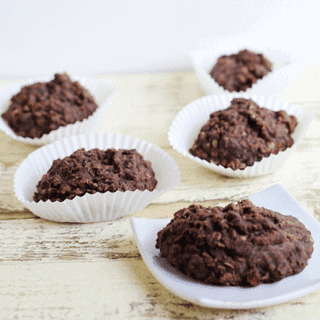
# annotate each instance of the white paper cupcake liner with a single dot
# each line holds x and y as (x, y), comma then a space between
(187, 124)
(101, 91)
(99, 206)
(204, 60)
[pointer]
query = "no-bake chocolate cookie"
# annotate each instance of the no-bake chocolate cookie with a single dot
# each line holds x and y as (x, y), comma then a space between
(241, 244)
(240, 71)
(42, 107)
(242, 134)
(95, 171)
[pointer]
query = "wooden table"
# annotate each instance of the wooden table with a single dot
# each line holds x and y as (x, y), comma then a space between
(94, 271)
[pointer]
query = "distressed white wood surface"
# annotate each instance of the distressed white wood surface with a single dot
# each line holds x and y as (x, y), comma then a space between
(94, 271)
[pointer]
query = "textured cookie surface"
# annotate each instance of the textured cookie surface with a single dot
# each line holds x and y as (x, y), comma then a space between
(242, 134)
(95, 171)
(42, 107)
(241, 244)
(240, 71)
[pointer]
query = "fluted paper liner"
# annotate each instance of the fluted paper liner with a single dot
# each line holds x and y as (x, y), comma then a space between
(99, 206)
(204, 60)
(187, 124)
(101, 91)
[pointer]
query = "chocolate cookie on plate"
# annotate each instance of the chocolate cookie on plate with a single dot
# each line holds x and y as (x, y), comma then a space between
(240, 244)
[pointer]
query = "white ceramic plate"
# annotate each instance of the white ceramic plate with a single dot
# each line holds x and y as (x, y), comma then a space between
(276, 198)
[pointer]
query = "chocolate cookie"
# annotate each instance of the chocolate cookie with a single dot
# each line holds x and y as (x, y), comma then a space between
(42, 107)
(241, 244)
(95, 171)
(238, 72)
(242, 134)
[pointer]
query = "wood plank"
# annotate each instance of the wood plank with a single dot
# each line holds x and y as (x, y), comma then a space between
(113, 289)
(74, 271)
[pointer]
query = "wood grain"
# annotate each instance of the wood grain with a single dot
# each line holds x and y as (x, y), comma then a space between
(94, 271)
